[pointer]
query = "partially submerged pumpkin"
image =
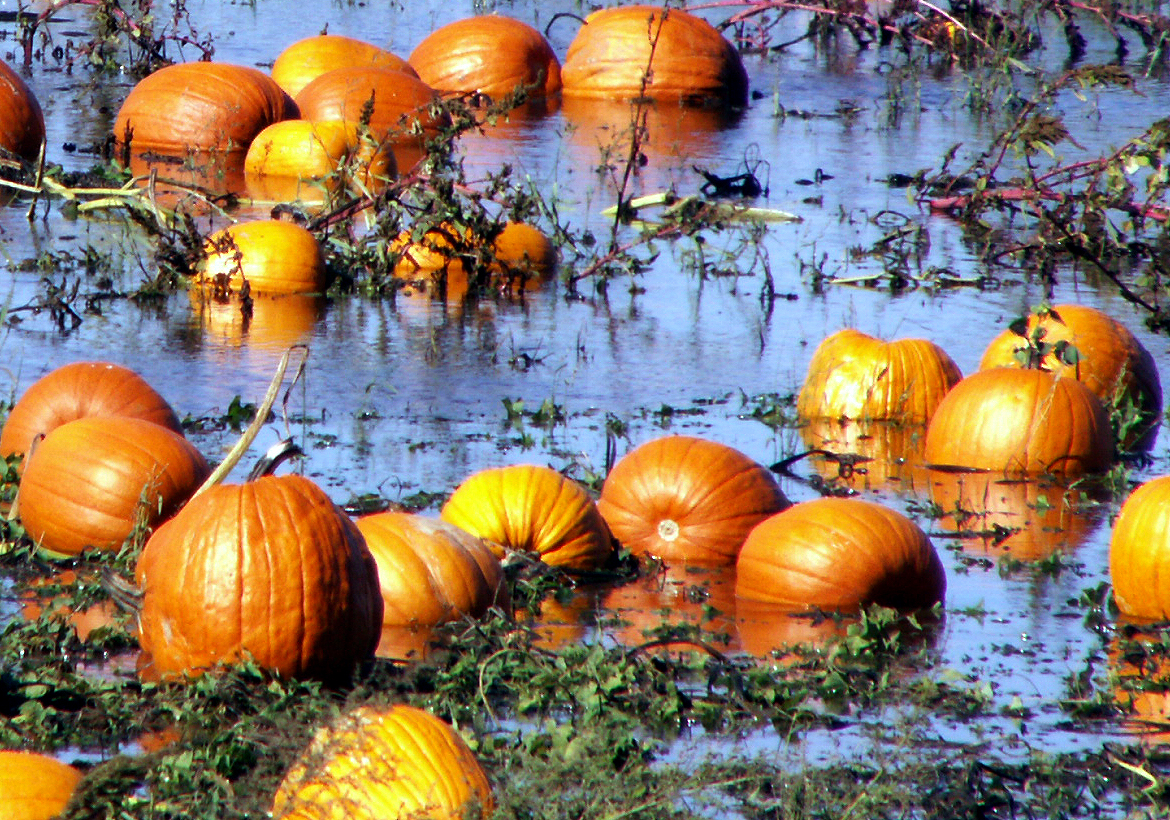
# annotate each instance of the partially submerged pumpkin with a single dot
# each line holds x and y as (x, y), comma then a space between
(22, 124)
(272, 256)
(401, 107)
(1139, 552)
(34, 786)
(305, 150)
(520, 257)
(307, 59)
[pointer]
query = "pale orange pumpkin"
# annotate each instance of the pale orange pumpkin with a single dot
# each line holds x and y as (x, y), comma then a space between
(34, 786)
(273, 256)
(22, 124)
(307, 59)
(1139, 552)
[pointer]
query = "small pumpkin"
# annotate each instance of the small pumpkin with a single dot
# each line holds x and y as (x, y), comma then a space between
(306, 150)
(77, 390)
(839, 554)
(1020, 422)
(90, 482)
(273, 256)
(521, 257)
(649, 51)
(854, 376)
(22, 124)
(272, 569)
(307, 59)
(1139, 552)
(687, 500)
(34, 786)
(489, 54)
(403, 106)
(385, 763)
(535, 509)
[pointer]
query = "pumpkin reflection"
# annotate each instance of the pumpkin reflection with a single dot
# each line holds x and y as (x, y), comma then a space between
(865, 455)
(275, 322)
(693, 604)
(1139, 662)
(765, 630)
(560, 624)
(196, 183)
(36, 603)
(405, 643)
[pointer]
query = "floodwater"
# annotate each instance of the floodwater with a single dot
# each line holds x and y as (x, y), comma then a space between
(409, 395)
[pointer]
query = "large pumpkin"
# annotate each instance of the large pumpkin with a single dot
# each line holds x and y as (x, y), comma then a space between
(385, 763)
(401, 105)
(855, 376)
(687, 500)
(301, 149)
(191, 107)
(90, 482)
(77, 390)
(307, 59)
(647, 51)
(532, 509)
(272, 569)
(273, 256)
(1139, 552)
(839, 554)
(22, 124)
(1020, 422)
(34, 786)
(489, 54)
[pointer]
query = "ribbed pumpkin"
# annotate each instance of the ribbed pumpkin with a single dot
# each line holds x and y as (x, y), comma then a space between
(385, 763)
(272, 569)
(307, 59)
(520, 255)
(1020, 422)
(839, 554)
(687, 500)
(533, 509)
(91, 481)
(1139, 552)
(680, 57)
(865, 454)
(77, 390)
(191, 107)
(430, 571)
(22, 124)
(855, 376)
(402, 103)
(489, 54)
(34, 786)
(275, 257)
(314, 150)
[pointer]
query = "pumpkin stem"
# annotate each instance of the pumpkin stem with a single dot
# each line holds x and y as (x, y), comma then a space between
(561, 14)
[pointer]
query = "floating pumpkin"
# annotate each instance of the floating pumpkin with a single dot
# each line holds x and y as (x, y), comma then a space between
(1020, 422)
(385, 763)
(34, 786)
(270, 322)
(22, 124)
(855, 376)
(533, 509)
(488, 54)
(670, 602)
(865, 454)
(193, 107)
(520, 257)
(1140, 551)
(402, 107)
(77, 390)
(648, 51)
(839, 554)
(687, 500)
(273, 256)
(300, 149)
(307, 59)
(90, 482)
(272, 569)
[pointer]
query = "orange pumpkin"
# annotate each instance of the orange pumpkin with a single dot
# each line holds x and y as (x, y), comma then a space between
(521, 257)
(842, 554)
(193, 107)
(1020, 422)
(865, 454)
(1139, 551)
(22, 124)
(307, 59)
(272, 569)
(488, 54)
(34, 786)
(533, 509)
(403, 106)
(273, 256)
(90, 482)
(646, 51)
(687, 500)
(300, 149)
(77, 390)
(855, 376)
(385, 763)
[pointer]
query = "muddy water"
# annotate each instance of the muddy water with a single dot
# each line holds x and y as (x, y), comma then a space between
(409, 395)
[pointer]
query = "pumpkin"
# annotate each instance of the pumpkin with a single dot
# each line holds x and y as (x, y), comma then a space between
(865, 454)
(647, 51)
(191, 107)
(272, 569)
(687, 500)
(855, 376)
(533, 509)
(694, 601)
(385, 763)
(90, 482)
(488, 54)
(34, 786)
(307, 59)
(839, 554)
(273, 256)
(1140, 550)
(430, 571)
(301, 149)
(22, 124)
(521, 257)
(402, 105)
(77, 390)
(274, 322)
(1020, 422)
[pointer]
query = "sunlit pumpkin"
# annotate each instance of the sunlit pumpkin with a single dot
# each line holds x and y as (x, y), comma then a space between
(520, 257)
(402, 107)
(90, 482)
(647, 51)
(77, 390)
(1139, 552)
(533, 509)
(22, 124)
(865, 454)
(673, 602)
(272, 569)
(1020, 422)
(307, 59)
(687, 500)
(270, 322)
(300, 149)
(34, 786)
(840, 554)
(490, 54)
(273, 256)
(385, 763)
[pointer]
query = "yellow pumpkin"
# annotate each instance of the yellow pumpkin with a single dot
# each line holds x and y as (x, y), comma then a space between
(34, 786)
(273, 256)
(1139, 552)
(300, 149)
